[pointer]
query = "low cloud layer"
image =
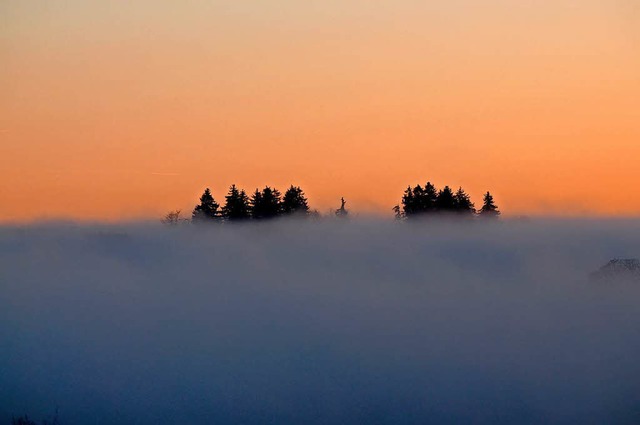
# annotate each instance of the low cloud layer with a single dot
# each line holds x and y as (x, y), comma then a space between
(364, 321)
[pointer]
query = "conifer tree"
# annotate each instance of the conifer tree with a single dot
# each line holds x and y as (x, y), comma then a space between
(256, 205)
(489, 208)
(462, 203)
(237, 205)
(207, 210)
(426, 198)
(265, 204)
(419, 205)
(445, 202)
(430, 196)
(408, 202)
(271, 202)
(419, 200)
(294, 202)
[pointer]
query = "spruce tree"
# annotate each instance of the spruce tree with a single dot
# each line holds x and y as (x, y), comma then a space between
(408, 202)
(418, 200)
(489, 208)
(271, 202)
(445, 202)
(207, 210)
(294, 202)
(256, 205)
(462, 203)
(430, 196)
(265, 204)
(236, 206)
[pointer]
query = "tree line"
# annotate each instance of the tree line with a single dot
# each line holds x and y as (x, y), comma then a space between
(424, 201)
(238, 206)
(269, 203)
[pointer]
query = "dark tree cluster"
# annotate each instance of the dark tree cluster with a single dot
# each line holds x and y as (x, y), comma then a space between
(424, 201)
(263, 204)
(270, 203)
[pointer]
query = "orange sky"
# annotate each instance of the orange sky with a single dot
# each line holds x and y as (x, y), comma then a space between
(112, 111)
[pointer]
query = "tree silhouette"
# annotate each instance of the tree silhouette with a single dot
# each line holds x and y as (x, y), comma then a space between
(265, 204)
(409, 205)
(489, 208)
(429, 197)
(272, 199)
(172, 218)
(342, 211)
(207, 210)
(255, 205)
(462, 203)
(237, 205)
(397, 212)
(419, 200)
(294, 202)
(445, 202)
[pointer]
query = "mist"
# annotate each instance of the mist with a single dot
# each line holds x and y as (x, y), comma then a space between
(317, 322)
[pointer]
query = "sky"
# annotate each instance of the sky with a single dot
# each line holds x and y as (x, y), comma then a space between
(116, 110)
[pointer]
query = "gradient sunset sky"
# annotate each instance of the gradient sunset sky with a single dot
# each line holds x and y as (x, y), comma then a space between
(115, 110)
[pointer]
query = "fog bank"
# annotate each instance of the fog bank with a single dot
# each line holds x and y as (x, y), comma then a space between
(362, 321)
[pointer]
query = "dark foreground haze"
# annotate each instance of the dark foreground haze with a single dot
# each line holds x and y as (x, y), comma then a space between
(358, 322)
